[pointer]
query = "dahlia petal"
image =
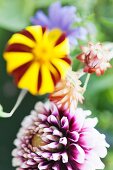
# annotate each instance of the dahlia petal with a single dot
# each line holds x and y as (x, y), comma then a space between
(52, 138)
(43, 166)
(56, 166)
(16, 162)
(100, 147)
(57, 133)
(53, 120)
(101, 150)
(95, 160)
(63, 141)
(42, 117)
(65, 123)
(90, 122)
(77, 153)
(47, 130)
(64, 157)
(55, 156)
(86, 166)
(87, 140)
(51, 145)
(39, 107)
(30, 162)
(78, 122)
(54, 110)
(46, 155)
(24, 165)
(73, 136)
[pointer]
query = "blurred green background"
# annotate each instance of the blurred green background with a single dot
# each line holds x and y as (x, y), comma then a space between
(98, 18)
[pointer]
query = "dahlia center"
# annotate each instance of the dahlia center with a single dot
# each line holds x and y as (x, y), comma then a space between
(37, 141)
(41, 53)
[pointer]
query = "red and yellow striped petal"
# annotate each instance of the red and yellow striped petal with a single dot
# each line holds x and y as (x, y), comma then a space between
(47, 84)
(62, 65)
(29, 80)
(15, 60)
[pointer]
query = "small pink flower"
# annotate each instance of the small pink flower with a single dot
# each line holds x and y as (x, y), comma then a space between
(96, 58)
(52, 139)
(68, 92)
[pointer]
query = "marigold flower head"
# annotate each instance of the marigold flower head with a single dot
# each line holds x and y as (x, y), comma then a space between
(37, 58)
(96, 58)
(52, 139)
(68, 92)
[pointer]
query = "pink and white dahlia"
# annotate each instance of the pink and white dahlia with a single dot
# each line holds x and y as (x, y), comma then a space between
(96, 58)
(52, 139)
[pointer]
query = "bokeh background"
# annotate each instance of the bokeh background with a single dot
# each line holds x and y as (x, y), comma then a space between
(98, 17)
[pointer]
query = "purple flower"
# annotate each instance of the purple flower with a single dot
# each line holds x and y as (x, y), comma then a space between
(62, 18)
(52, 139)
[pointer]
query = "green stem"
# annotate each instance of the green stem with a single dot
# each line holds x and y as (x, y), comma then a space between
(17, 104)
(86, 82)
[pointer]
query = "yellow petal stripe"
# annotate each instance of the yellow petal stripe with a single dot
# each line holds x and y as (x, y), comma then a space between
(22, 39)
(15, 60)
(47, 84)
(61, 49)
(61, 65)
(36, 31)
(29, 80)
(54, 35)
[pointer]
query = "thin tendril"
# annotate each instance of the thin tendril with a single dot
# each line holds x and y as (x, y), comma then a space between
(18, 102)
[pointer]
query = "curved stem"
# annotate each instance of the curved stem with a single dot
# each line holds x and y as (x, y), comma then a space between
(86, 82)
(18, 102)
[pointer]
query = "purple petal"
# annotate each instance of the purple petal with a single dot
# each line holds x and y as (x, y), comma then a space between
(54, 13)
(40, 19)
(80, 33)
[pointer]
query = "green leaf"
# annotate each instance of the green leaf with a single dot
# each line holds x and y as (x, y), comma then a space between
(108, 22)
(15, 14)
(100, 84)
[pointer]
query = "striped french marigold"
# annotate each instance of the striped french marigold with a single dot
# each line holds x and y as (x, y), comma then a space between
(37, 58)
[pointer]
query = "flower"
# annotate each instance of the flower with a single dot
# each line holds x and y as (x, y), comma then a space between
(52, 139)
(95, 57)
(37, 58)
(68, 92)
(62, 18)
